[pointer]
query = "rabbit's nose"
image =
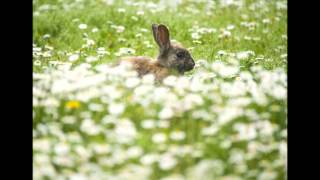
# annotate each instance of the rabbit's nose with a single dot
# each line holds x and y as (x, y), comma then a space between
(192, 63)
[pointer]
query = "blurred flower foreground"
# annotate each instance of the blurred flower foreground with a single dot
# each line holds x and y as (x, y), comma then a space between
(104, 122)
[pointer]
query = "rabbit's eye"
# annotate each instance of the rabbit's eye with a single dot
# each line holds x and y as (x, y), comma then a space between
(180, 54)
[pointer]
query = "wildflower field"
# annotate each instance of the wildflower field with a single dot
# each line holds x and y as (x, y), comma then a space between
(224, 120)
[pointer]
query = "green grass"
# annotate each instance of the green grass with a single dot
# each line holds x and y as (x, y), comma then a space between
(235, 127)
(66, 36)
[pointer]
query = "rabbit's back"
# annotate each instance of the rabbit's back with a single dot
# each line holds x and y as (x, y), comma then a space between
(145, 65)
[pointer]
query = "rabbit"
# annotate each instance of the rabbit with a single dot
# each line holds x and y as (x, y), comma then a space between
(172, 58)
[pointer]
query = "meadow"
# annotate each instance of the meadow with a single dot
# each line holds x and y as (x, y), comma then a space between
(226, 119)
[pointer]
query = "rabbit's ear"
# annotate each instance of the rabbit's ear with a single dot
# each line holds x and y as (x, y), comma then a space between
(155, 32)
(163, 37)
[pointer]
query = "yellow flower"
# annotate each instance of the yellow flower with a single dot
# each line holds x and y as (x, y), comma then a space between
(129, 98)
(73, 104)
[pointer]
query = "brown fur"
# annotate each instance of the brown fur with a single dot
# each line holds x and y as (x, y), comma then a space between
(172, 58)
(145, 65)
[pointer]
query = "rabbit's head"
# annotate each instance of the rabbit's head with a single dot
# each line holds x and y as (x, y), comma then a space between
(171, 55)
